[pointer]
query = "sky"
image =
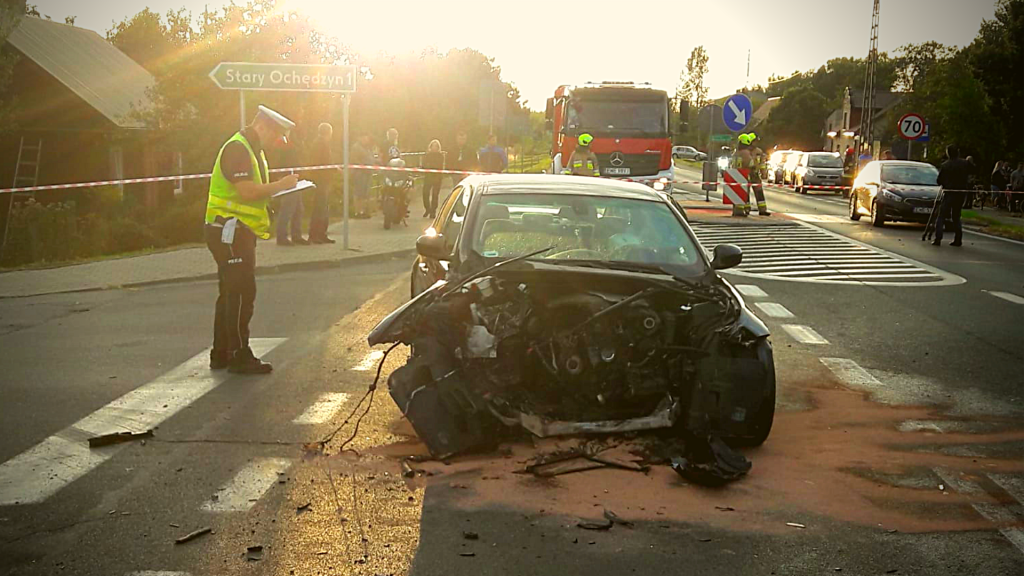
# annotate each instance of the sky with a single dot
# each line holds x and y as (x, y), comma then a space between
(641, 41)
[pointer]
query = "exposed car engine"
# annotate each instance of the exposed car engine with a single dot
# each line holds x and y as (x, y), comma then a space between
(566, 352)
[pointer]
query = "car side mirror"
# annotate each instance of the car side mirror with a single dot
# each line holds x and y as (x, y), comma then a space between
(549, 125)
(727, 256)
(432, 246)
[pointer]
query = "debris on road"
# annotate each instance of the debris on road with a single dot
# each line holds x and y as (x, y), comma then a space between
(254, 553)
(709, 461)
(304, 508)
(117, 438)
(615, 519)
(725, 508)
(470, 535)
(192, 536)
(795, 525)
(526, 346)
(407, 470)
(589, 525)
(467, 554)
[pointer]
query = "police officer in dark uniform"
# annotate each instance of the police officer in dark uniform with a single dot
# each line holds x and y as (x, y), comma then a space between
(236, 215)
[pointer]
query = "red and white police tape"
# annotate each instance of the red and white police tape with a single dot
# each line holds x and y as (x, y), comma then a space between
(375, 167)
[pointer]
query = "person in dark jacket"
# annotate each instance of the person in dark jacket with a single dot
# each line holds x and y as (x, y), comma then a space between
(290, 212)
(434, 160)
(493, 157)
(954, 178)
(463, 158)
(321, 150)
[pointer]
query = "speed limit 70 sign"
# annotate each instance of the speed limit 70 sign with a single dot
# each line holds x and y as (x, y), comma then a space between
(911, 126)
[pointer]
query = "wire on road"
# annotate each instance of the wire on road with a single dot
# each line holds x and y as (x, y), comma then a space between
(370, 393)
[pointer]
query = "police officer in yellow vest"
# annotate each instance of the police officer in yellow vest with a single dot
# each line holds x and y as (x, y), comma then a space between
(583, 161)
(236, 215)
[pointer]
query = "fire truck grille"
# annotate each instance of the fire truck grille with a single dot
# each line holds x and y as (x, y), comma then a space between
(638, 164)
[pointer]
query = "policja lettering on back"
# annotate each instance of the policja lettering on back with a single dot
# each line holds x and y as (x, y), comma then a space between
(236, 215)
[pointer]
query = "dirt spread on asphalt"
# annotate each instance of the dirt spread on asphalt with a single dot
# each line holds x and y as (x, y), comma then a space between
(805, 471)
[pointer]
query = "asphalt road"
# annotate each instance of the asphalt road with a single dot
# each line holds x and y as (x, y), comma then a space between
(898, 447)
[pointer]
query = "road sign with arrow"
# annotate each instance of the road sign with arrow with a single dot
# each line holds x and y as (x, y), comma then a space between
(737, 112)
(284, 77)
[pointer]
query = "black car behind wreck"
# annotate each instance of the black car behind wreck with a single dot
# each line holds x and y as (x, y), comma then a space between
(569, 306)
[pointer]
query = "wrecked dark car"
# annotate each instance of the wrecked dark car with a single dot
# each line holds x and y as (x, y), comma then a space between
(572, 306)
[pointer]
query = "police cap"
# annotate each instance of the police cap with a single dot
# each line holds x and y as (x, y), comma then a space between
(275, 119)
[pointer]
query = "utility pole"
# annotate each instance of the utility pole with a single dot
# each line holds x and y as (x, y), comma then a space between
(747, 85)
(867, 107)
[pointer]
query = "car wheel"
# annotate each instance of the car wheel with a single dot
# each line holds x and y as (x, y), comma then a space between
(763, 418)
(854, 214)
(877, 218)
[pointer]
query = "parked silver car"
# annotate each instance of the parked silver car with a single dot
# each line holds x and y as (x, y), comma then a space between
(688, 153)
(818, 169)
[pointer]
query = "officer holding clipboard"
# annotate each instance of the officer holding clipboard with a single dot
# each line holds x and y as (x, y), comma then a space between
(236, 215)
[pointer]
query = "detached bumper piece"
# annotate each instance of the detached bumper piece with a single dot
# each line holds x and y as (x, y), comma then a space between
(559, 353)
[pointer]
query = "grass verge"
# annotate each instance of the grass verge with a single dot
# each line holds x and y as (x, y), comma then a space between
(995, 226)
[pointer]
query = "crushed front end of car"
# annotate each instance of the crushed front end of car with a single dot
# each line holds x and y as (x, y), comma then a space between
(556, 350)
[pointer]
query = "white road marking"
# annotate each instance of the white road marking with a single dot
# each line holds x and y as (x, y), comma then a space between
(1007, 296)
(248, 486)
(919, 425)
(751, 290)
(802, 252)
(775, 310)
(851, 373)
(323, 410)
(804, 334)
(370, 361)
(955, 482)
(822, 217)
(42, 470)
(995, 513)
(1014, 485)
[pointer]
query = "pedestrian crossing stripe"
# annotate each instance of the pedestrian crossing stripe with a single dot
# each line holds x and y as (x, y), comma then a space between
(803, 252)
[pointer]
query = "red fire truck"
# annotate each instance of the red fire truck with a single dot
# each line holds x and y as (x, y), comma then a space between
(630, 126)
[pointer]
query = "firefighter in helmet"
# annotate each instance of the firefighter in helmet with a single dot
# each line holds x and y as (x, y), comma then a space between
(583, 161)
(751, 158)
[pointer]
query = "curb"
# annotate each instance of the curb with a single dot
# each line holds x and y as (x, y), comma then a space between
(260, 271)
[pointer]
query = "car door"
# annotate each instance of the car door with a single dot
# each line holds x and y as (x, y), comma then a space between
(449, 220)
(867, 186)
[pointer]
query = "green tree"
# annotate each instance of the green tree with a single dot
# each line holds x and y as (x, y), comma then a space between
(997, 59)
(954, 102)
(798, 120)
(692, 86)
(915, 61)
(9, 20)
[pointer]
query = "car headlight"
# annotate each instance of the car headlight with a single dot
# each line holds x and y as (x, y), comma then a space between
(809, 172)
(892, 196)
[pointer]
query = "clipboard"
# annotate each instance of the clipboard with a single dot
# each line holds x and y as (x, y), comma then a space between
(302, 185)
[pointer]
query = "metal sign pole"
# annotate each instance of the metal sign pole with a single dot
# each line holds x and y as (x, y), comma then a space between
(345, 195)
(241, 108)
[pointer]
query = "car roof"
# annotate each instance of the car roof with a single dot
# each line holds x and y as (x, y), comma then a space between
(901, 163)
(491, 184)
(822, 152)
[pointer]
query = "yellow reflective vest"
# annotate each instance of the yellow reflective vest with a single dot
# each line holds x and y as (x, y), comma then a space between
(225, 201)
(582, 164)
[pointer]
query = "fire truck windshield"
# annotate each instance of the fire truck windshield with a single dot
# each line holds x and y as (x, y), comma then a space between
(618, 116)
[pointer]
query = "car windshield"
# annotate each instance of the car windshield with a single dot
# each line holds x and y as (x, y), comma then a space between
(649, 117)
(582, 228)
(910, 174)
(825, 161)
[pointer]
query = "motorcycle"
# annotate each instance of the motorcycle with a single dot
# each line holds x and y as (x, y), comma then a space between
(395, 196)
